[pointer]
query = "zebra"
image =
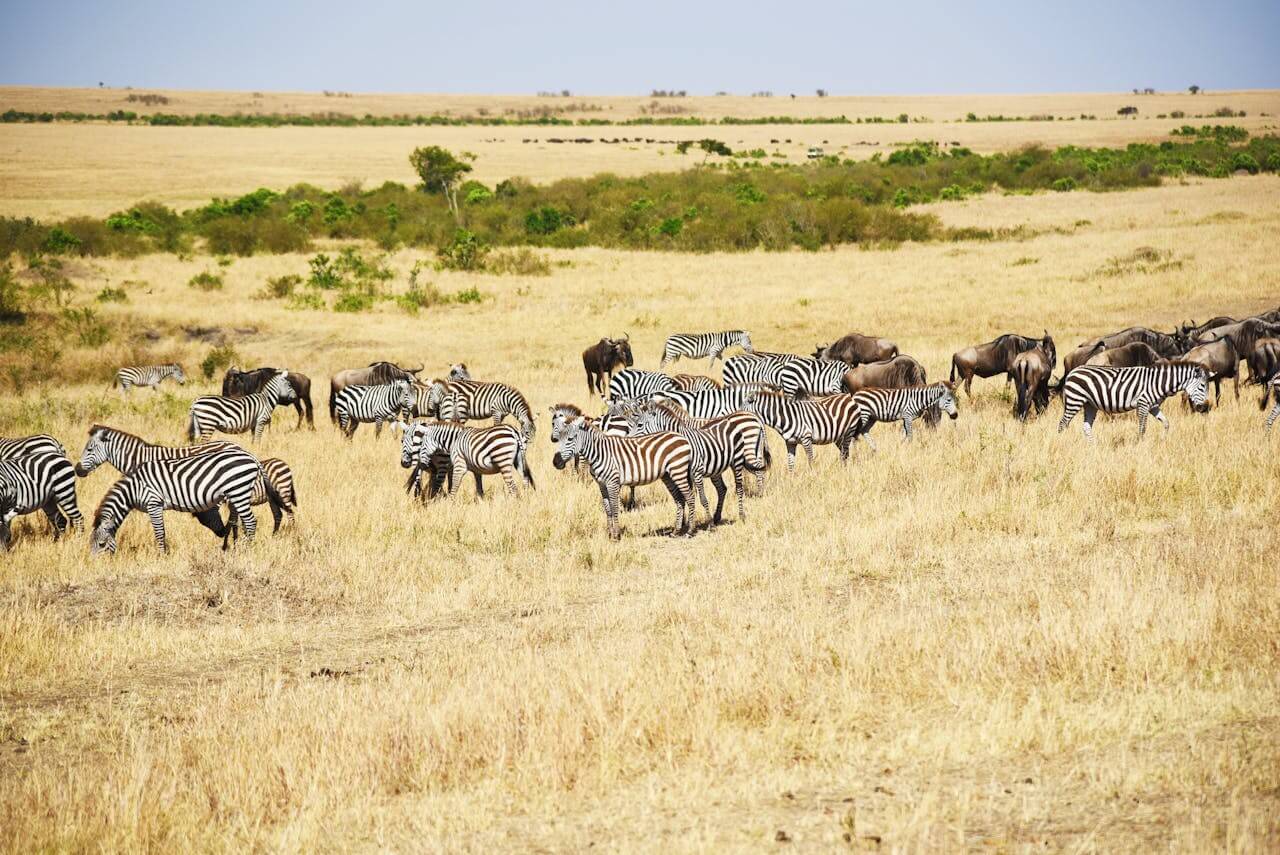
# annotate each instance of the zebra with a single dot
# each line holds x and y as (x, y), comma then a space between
(612, 423)
(754, 369)
(907, 404)
(697, 345)
(127, 452)
(211, 413)
(1273, 389)
(818, 421)
(458, 371)
(41, 481)
(466, 400)
(694, 382)
(633, 384)
(734, 442)
(147, 375)
(355, 405)
(615, 461)
(197, 485)
(499, 449)
(713, 403)
(23, 445)
(1115, 390)
(801, 377)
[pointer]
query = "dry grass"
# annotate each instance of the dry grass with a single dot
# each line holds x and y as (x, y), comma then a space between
(995, 638)
(67, 169)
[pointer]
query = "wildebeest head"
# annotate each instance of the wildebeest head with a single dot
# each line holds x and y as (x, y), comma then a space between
(1049, 348)
(820, 351)
(622, 350)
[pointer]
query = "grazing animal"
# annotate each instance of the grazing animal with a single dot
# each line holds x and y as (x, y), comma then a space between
(615, 461)
(694, 382)
(633, 384)
(713, 403)
(855, 349)
(356, 405)
(1130, 355)
(905, 405)
(147, 375)
(23, 445)
(41, 481)
(482, 451)
(211, 413)
(1192, 330)
(1031, 371)
(734, 442)
(601, 359)
(467, 400)
(458, 371)
(1220, 359)
(802, 378)
(697, 345)
(236, 383)
(1168, 345)
(376, 374)
(755, 368)
(1264, 363)
(1115, 390)
(988, 360)
(1244, 335)
(127, 452)
(197, 485)
(613, 422)
(809, 422)
(900, 371)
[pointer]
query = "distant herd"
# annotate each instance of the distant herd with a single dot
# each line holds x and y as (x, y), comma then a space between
(680, 429)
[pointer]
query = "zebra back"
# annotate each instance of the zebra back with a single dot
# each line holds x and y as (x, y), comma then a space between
(631, 384)
(754, 369)
(23, 445)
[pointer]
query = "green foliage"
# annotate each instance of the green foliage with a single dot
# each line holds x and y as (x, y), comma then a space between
(112, 295)
(217, 360)
(86, 326)
(307, 300)
(748, 194)
(325, 273)
(61, 241)
(465, 252)
(437, 168)
(1064, 184)
(546, 220)
(671, 226)
(206, 280)
(51, 285)
(280, 287)
(468, 295)
(1247, 162)
(1222, 133)
(353, 301)
(12, 295)
(300, 213)
(474, 193)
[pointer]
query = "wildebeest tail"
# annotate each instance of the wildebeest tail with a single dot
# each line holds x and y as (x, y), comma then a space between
(333, 411)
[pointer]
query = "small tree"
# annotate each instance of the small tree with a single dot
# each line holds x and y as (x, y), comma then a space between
(440, 172)
(1193, 89)
(708, 146)
(822, 93)
(1127, 111)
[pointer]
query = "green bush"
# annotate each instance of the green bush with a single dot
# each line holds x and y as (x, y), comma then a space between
(324, 273)
(546, 220)
(420, 297)
(306, 300)
(12, 294)
(1064, 184)
(1247, 162)
(61, 241)
(206, 280)
(112, 295)
(465, 252)
(468, 295)
(280, 287)
(217, 360)
(85, 325)
(353, 301)
(1273, 162)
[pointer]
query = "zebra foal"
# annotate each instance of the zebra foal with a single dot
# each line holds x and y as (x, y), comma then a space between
(1094, 388)
(211, 413)
(42, 481)
(147, 375)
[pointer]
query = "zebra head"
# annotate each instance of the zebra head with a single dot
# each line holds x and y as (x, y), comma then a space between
(458, 371)
(561, 415)
(404, 394)
(179, 374)
(570, 442)
(409, 444)
(95, 454)
(947, 400)
(745, 341)
(279, 389)
(1197, 389)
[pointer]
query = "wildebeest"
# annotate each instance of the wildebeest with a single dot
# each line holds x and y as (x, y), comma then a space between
(1192, 330)
(1131, 354)
(1264, 363)
(994, 357)
(1244, 334)
(1030, 371)
(458, 371)
(1220, 359)
(602, 358)
(857, 349)
(237, 383)
(375, 374)
(892, 373)
(1168, 345)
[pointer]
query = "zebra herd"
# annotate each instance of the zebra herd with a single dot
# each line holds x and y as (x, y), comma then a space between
(680, 429)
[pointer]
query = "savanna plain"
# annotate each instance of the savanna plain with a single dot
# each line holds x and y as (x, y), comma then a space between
(994, 637)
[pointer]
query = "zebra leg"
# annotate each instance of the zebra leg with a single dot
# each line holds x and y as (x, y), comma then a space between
(155, 511)
(377, 428)
(509, 476)
(458, 470)
(721, 490)
(906, 428)
(277, 514)
(1160, 417)
(1143, 409)
(807, 442)
(1273, 415)
(611, 492)
(68, 508)
(791, 455)
(243, 511)
(1090, 413)
(740, 488)
(56, 519)
(682, 503)
(701, 484)
(212, 520)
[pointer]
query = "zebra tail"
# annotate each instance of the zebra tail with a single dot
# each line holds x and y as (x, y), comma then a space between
(191, 427)
(522, 460)
(762, 455)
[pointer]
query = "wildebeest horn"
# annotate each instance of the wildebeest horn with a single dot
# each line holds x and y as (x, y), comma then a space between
(416, 370)
(626, 336)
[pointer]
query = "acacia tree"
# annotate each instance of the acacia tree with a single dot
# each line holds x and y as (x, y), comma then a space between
(1193, 89)
(708, 146)
(440, 172)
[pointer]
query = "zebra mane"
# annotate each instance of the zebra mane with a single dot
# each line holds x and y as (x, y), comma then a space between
(573, 409)
(99, 427)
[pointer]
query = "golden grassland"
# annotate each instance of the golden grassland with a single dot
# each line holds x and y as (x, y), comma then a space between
(996, 637)
(93, 169)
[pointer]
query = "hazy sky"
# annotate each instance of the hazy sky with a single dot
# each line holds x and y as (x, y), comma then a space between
(604, 47)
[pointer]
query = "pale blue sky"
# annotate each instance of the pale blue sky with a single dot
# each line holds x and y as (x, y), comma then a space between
(603, 47)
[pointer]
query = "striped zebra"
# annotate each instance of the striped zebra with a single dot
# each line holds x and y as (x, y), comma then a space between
(805, 377)
(612, 423)
(905, 404)
(698, 345)
(809, 422)
(458, 371)
(42, 481)
(735, 442)
(356, 405)
(754, 369)
(694, 382)
(127, 452)
(147, 375)
(197, 485)
(468, 400)
(211, 413)
(634, 384)
(1273, 390)
(713, 403)
(1116, 390)
(615, 461)
(23, 445)
(500, 449)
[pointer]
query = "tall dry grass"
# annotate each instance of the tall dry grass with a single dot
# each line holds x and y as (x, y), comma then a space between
(995, 637)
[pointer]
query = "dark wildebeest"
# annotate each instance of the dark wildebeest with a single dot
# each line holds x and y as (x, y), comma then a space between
(1192, 330)
(1168, 345)
(988, 360)
(857, 349)
(1031, 370)
(375, 374)
(1244, 334)
(1135, 353)
(1264, 363)
(1220, 359)
(236, 383)
(602, 358)
(895, 373)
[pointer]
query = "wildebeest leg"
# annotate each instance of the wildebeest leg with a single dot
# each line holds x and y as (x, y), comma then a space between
(1235, 379)
(968, 384)
(630, 503)
(718, 481)
(1090, 413)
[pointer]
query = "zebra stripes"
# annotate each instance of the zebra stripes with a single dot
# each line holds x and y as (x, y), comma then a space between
(211, 413)
(633, 384)
(697, 345)
(734, 442)
(694, 382)
(755, 369)
(1273, 389)
(905, 404)
(482, 451)
(1115, 390)
(615, 461)
(713, 403)
(43, 481)
(23, 445)
(820, 421)
(802, 376)
(197, 485)
(147, 375)
(356, 405)
(467, 400)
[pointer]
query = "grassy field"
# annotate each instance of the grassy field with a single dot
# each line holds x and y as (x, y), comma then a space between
(996, 637)
(63, 170)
